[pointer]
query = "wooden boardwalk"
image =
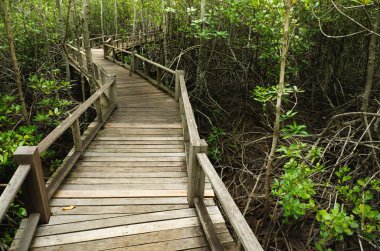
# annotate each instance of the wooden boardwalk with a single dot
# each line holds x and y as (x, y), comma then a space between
(129, 190)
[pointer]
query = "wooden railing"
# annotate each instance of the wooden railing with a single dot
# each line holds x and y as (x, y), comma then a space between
(130, 40)
(29, 174)
(139, 64)
(197, 162)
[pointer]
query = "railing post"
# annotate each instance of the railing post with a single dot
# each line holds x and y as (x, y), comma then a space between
(178, 73)
(34, 188)
(196, 176)
(102, 78)
(145, 69)
(75, 129)
(122, 58)
(113, 54)
(99, 110)
(96, 71)
(133, 64)
(158, 77)
(105, 50)
(113, 92)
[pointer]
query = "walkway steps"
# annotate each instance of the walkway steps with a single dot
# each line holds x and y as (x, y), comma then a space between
(129, 191)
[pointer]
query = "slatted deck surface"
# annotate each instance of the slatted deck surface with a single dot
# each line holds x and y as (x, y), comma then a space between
(128, 192)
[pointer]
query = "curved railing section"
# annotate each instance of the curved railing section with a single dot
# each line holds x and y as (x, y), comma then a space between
(197, 162)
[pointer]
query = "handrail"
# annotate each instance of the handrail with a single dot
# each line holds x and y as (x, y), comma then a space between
(241, 227)
(133, 66)
(12, 188)
(197, 162)
(188, 110)
(59, 130)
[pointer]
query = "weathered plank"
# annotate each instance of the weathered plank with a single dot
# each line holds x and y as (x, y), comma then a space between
(135, 240)
(120, 221)
(57, 202)
(124, 194)
(123, 209)
(126, 230)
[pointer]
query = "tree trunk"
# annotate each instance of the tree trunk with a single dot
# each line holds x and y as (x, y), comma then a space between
(116, 27)
(165, 30)
(46, 35)
(328, 73)
(87, 46)
(142, 17)
(12, 50)
(371, 64)
(63, 35)
(134, 17)
(281, 86)
(101, 19)
(200, 74)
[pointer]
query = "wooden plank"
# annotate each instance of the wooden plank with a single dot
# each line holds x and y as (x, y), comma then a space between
(123, 201)
(123, 209)
(65, 219)
(241, 227)
(118, 231)
(120, 221)
(12, 188)
(124, 194)
(135, 159)
(207, 225)
(136, 147)
(140, 138)
(141, 131)
(135, 240)
(123, 187)
(139, 125)
(181, 244)
(113, 154)
(28, 232)
(121, 149)
(81, 174)
(137, 142)
(126, 180)
(129, 164)
(130, 169)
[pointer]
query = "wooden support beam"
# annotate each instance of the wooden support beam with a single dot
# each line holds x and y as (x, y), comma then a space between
(34, 189)
(113, 92)
(99, 110)
(133, 64)
(207, 225)
(102, 77)
(75, 129)
(28, 232)
(196, 176)
(158, 76)
(178, 73)
(96, 71)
